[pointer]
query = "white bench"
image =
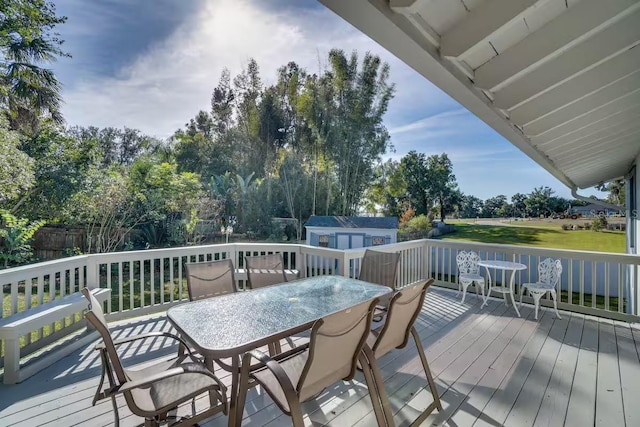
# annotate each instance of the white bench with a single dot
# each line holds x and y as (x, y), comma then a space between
(17, 325)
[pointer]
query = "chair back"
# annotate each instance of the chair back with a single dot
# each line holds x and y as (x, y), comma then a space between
(468, 262)
(96, 318)
(404, 309)
(264, 270)
(334, 347)
(210, 279)
(380, 268)
(549, 271)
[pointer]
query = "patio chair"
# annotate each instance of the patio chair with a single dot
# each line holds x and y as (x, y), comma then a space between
(469, 273)
(404, 308)
(156, 390)
(210, 279)
(302, 373)
(380, 268)
(549, 271)
(264, 270)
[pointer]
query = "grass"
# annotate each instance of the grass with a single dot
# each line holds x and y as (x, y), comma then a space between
(547, 236)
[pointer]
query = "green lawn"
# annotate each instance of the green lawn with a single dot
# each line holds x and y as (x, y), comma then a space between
(547, 236)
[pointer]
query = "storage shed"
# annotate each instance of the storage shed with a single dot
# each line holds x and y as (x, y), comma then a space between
(348, 232)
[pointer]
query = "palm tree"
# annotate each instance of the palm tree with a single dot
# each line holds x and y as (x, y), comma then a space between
(27, 90)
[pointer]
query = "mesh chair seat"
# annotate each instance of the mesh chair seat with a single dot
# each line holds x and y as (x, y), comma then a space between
(292, 367)
(300, 374)
(210, 279)
(152, 391)
(165, 394)
(380, 268)
(265, 270)
(404, 308)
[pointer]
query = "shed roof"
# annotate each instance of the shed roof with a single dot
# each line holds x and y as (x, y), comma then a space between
(352, 222)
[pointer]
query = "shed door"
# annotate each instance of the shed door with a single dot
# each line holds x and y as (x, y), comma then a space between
(343, 241)
(357, 241)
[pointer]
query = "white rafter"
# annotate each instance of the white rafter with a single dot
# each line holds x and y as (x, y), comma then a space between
(480, 24)
(620, 67)
(567, 32)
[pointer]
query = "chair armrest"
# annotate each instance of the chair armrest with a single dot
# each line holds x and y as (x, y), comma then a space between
(275, 368)
(101, 346)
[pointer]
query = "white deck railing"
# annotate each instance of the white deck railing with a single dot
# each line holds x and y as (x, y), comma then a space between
(151, 280)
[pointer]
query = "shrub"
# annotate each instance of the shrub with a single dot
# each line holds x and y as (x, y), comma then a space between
(599, 223)
(420, 222)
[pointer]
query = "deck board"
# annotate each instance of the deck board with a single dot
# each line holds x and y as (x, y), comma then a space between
(491, 368)
(554, 405)
(609, 408)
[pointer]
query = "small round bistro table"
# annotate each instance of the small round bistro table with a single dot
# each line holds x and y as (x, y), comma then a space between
(505, 266)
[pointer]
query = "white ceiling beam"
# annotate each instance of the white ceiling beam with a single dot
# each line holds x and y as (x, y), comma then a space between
(393, 32)
(593, 126)
(623, 157)
(594, 115)
(592, 171)
(578, 87)
(410, 9)
(567, 31)
(480, 23)
(607, 143)
(626, 87)
(613, 148)
(606, 127)
(604, 175)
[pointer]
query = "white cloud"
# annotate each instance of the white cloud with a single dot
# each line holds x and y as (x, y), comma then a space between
(171, 82)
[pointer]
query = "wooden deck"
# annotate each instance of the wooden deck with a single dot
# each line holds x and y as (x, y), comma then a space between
(491, 368)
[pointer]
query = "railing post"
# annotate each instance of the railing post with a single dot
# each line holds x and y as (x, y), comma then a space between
(343, 268)
(426, 260)
(93, 280)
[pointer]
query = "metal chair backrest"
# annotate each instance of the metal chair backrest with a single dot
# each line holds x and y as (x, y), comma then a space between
(264, 270)
(380, 268)
(334, 347)
(210, 279)
(95, 316)
(468, 262)
(549, 271)
(404, 309)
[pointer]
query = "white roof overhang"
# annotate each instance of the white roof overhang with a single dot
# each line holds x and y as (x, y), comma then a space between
(560, 79)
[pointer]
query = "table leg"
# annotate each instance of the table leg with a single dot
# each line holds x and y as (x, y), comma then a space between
(486, 297)
(511, 286)
(235, 420)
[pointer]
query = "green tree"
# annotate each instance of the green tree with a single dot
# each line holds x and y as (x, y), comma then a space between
(362, 95)
(538, 201)
(492, 206)
(27, 41)
(470, 206)
(415, 171)
(518, 202)
(16, 235)
(442, 183)
(16, 167)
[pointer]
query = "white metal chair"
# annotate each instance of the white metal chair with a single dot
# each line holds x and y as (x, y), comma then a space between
(469, 273)
(549, 271)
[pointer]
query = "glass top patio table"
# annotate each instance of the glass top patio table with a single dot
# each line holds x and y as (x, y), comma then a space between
(231, 324)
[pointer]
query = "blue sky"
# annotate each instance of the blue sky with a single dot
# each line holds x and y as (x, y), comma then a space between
(152, 65)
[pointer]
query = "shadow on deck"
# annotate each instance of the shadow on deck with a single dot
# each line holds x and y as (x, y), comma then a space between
(491, 369)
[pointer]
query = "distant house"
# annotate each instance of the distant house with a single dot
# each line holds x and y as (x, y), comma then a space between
(592, 210)
(347, 232)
